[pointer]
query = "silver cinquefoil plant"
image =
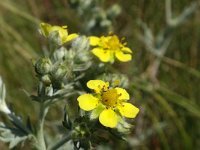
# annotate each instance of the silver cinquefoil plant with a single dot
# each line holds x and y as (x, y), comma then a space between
(63, 73)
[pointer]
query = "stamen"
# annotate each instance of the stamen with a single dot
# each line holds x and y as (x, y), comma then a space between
(120, 94)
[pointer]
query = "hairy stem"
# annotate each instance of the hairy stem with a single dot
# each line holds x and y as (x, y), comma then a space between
(168, 11)
(40, 130)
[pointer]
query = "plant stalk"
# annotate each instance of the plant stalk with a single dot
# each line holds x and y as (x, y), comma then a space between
(40, 130)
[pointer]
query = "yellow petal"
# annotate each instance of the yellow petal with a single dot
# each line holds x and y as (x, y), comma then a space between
(70, 37)
(103, 55)
(62, 32)
(94, 40)
(56, 28)
(126, 49)
(44, 28)
(108, 118)
(64, 27)
(87, 102)
(123, 57)
(97, 85)
(123, 94)
(128, 110)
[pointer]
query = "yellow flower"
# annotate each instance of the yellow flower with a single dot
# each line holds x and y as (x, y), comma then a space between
(46, 29)
(109, 47)
(109, 104)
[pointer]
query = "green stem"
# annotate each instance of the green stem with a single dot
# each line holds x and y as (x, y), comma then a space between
(40, 133)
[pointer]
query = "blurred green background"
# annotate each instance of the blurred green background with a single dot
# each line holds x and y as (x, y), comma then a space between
(170, 110)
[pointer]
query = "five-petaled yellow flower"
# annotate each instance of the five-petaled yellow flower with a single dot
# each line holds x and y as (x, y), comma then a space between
(109, 47)
(46, 29)
(109, 104)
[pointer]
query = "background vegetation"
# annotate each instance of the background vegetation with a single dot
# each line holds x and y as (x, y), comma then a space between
(169, 99)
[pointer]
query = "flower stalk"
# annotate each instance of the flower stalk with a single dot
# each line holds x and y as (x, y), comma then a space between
(40, 130)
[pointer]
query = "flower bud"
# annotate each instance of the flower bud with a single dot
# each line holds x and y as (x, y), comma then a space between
(46, 80)
(59, 54)
(43, 66)
(59, 72)
(119, 80)
(81, 46)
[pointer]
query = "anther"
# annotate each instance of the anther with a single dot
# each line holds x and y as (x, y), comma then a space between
(120, 94)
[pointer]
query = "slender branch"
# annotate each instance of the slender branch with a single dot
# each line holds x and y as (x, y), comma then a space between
(61, 142)
(40, 131)
(160, 45)
(168, 11)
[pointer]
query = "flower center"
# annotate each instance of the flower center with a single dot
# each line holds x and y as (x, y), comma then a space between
(110, 98)
(111, 43)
